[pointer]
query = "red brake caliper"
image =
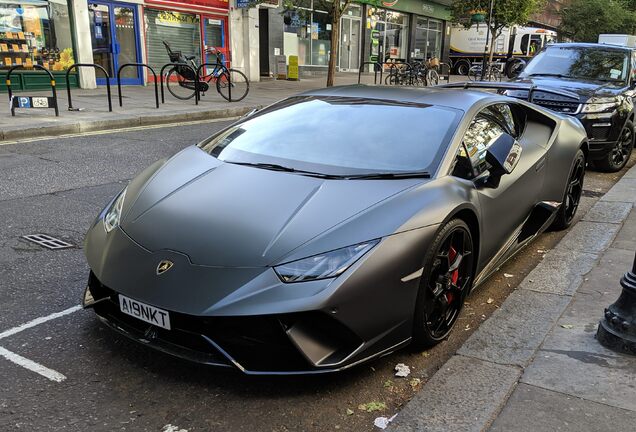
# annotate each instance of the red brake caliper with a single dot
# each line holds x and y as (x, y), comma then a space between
(454, 276)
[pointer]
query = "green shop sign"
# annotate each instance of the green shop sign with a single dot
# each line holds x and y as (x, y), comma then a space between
(419, 7)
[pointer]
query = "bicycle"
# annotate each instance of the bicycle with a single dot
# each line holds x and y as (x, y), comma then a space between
(181, 80)
(418, 73)
(493, 73)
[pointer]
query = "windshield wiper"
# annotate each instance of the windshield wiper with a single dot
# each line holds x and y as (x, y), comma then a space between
(550, 75)
(276, 167)
(389, 175)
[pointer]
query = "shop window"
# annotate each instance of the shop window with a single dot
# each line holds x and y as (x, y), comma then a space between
(393, 33)
(428, 38)
(307, 33)
(35, 33)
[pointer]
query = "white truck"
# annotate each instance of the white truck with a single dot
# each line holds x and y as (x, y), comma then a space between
(513, 46)
(618, 39)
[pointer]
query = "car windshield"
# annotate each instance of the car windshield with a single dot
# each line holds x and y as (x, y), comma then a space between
(339, 136)
(581, 63)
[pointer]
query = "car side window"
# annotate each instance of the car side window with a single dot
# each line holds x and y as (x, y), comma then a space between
(482, 132)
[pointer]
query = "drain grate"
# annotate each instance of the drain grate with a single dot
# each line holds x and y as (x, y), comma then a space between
(47, 241)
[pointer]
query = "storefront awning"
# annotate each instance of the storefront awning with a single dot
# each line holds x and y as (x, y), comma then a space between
(25, 2)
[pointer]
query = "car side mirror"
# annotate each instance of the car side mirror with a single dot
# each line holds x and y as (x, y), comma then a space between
(502, 156)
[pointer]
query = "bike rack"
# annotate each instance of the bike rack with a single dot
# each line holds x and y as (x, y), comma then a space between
(93, 65)
(196, 80)
(377, 66)
(138, 65)
(394, 67)
(52, 81)
(229, 76)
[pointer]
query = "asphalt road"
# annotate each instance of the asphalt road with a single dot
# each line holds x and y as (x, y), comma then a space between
(57, 187)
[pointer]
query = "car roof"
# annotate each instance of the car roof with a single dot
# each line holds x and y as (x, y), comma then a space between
(452, 98)
(591, 45)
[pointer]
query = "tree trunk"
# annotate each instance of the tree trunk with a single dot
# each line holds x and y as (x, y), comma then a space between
(335, 42)
(493, 39)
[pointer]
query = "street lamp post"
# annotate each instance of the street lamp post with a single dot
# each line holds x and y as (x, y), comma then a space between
(483, 63)
(617, 329)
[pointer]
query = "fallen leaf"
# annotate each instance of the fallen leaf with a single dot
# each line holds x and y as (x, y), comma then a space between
(567, 326)
(372, 406)
(508, 275)
(415, 382)
(490, 300)
(425, 354)
(349, 411)
(388, 383)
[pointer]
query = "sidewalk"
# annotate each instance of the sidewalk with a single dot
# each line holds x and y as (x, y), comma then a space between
(139, 107)
(535, 365)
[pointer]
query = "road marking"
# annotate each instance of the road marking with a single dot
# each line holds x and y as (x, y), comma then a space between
(38, 321)
(32, 366)
(124, 129)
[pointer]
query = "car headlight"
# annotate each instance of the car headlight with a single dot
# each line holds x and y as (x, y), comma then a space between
(597, 105)
(113, 214)
(323, 266)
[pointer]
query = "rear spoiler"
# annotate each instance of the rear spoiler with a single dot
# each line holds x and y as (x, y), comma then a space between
(530, 88)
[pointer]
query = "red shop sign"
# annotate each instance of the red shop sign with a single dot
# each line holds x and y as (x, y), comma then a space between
(216, 4)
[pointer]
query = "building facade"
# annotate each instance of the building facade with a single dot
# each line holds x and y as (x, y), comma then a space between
(370, 30)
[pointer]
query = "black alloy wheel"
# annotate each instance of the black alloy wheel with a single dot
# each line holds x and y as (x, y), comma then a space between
(445, 282)
(617, 158)
(573, 193)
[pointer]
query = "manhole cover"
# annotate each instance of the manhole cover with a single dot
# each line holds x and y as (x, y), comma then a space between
(47, 241)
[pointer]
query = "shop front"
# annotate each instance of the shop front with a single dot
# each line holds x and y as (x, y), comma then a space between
(405, 30)
(35, 32)
(197, 28)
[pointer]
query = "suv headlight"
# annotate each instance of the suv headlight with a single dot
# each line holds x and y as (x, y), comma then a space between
(113, 214)
(597, 105)
(323, 266)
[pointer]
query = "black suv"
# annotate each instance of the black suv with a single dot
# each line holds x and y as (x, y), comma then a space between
(600, 81)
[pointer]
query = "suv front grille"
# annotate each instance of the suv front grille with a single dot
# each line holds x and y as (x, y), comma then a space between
(564, 107)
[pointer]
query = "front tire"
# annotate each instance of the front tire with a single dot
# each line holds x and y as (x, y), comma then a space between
(618, 157)
(446, 280)
(572, 196)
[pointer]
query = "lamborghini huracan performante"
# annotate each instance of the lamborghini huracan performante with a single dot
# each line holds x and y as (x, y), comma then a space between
(331, 227)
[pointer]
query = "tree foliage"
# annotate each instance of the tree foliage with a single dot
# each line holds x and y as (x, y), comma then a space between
(584, 20)
(505, 13)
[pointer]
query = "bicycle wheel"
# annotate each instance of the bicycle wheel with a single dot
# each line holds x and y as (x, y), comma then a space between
(474, 74)
(432, 77)
(178, 86)
(238, 81)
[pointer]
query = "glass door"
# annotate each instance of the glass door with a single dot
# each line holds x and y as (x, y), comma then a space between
(115, 39)
(215, 39)
(350, 44)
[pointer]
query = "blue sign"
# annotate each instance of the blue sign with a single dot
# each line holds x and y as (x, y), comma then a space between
(24, 102)
(242, 3)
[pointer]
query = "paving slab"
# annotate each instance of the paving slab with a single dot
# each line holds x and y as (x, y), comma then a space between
(626, 238)
(631, 173)
(589, 237)
(624, 190)
(515, 331)
(561, 272)
(571, 361)
(532, 409)
(608, 211)
(464, 395)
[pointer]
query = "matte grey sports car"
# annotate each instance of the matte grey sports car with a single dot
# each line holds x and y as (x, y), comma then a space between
(332, 227)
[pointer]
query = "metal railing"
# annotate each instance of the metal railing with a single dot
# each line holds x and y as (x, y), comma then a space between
(93, 65)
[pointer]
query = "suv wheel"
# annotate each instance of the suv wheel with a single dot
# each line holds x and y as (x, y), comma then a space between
(616, 159)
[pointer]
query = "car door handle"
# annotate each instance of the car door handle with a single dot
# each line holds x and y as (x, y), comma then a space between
(539, 166)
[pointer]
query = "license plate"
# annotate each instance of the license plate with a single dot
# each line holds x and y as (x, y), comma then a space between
(144, 312)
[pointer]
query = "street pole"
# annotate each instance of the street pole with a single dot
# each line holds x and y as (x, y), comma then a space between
(483, 63)
(617, 329)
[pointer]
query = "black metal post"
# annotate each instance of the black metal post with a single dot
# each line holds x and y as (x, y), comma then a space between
(617, 329)
(154, 74)
(93, 65)
(51, 80)
(483, 63)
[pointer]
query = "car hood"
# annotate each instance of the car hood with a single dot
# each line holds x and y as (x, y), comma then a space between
(228, 215)
(585, 89)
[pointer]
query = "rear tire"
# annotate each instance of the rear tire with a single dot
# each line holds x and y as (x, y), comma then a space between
(176, 84)
(446, 281)
(618, 157)
(572, 196)
(462, 67)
